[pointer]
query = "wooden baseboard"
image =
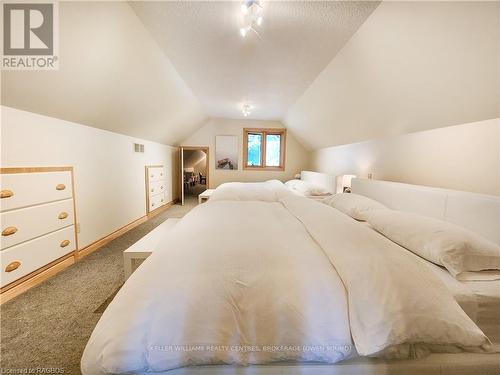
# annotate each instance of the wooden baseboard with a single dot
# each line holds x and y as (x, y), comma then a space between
(60, 265)
(117, 233)
(159, 210)
(89, 249)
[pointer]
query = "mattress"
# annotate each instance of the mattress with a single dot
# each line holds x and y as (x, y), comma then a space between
(479, 299)
(487, 294)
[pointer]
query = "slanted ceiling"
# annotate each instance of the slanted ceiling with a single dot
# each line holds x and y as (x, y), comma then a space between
(270, 70)
(156, 69)
(332, 72)
(112, 76)
(411, 66)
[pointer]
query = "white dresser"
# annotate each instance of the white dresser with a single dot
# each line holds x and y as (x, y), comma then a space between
(155, 187)
(37, 221)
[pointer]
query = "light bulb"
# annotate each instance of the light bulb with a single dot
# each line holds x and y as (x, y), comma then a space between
(243, 32)
(259, 20)
(246, 109)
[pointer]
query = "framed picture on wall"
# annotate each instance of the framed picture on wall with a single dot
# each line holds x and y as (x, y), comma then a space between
(226, 152)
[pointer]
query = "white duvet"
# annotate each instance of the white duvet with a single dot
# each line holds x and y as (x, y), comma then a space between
(242, 281)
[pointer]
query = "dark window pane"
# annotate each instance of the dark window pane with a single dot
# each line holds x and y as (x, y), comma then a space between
(273, 150)
(254, 149)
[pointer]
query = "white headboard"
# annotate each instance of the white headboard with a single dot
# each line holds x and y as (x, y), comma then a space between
(322, 179)
(476, 212)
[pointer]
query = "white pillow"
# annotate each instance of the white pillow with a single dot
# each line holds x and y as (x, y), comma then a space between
(307, 188)
(354, 205)
(292, 184)
(448, 245)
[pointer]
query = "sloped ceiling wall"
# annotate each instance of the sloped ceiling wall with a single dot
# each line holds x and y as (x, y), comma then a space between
(112, 76)
(270, 70)
(193, 157)
(411, 66)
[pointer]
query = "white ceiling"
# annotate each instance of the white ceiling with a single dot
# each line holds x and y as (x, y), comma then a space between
(411, 66)
(112, 76)
(270, 71)
(334, 72)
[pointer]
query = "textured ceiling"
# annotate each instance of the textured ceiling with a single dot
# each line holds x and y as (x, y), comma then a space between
(335, 72)
(270, 70)
(112, 76)
(411, 66)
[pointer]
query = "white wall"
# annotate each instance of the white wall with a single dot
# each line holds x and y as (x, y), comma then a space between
(463, 157)
(109, 176)
(297, 157)
(412, 66)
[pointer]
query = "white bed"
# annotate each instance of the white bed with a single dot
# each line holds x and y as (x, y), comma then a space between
(476, 212)
(269, 267)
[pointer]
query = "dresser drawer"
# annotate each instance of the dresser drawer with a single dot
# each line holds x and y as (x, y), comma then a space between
(31, 222)
(26, 189)
(155, 174)
(18, 261)
(156, 187)
(156, 201)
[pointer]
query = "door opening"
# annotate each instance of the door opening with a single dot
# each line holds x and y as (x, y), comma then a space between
(194, 173)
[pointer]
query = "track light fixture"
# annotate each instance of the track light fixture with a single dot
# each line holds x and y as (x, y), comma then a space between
(251, 11)
(246, 109)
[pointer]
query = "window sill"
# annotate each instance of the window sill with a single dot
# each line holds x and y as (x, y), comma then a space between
(276, 169)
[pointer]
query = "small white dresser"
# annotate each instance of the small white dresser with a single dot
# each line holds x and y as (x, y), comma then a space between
(37, 221)
(155, 187)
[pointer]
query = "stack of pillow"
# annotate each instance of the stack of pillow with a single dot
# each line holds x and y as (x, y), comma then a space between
(466, 255)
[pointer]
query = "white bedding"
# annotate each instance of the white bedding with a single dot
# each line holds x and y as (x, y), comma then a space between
(313, 197)
(479, 299)
(261, 279)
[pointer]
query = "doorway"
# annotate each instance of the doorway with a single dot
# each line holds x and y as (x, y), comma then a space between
(194, 174)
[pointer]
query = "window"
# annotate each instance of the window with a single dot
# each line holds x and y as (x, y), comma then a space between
(264, 149)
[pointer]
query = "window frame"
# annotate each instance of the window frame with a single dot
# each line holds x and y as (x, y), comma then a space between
(264, 133)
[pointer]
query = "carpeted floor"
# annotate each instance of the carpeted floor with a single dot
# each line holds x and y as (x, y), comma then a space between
(194, 191)
(49, 325)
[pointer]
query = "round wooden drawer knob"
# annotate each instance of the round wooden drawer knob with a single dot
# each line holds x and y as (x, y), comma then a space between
(9, 231)
(6, 194)
(60, 187)
(63, 215)
(64, 243)
(12, 266)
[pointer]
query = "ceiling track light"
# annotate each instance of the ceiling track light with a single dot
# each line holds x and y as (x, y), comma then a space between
(246, 109)
(251, 11)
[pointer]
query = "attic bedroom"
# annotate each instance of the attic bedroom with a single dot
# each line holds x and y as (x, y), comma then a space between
(250, 187)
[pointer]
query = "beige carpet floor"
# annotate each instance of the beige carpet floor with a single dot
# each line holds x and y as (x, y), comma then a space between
(49, 325)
